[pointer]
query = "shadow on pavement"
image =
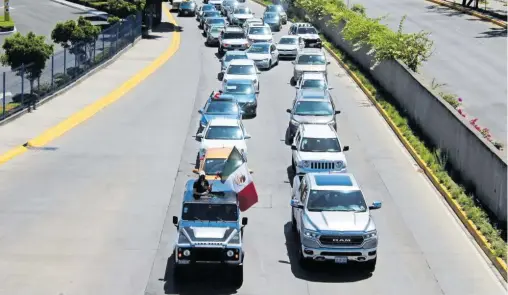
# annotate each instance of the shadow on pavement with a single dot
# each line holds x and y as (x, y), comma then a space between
(493, 33)
(291, 174)
(205, 282)
(167, 28)
(319, 272)
(445, 10)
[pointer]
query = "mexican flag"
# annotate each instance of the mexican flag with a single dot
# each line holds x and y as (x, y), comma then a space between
(236, 175)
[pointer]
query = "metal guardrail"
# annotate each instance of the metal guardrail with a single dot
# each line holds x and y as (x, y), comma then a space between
(64, 67)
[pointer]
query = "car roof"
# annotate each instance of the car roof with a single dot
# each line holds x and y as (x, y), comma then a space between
(224, 122)
(242, 62)
(333, 181)
(236, 52)
(302, 99)
(259, 26)
(318, 131)
(261, 44)
(227, 196)
(313, 93)
(313, 76)
(218, 153)
(311, 51)
(254, 19)
(234, 29)
(290, 37)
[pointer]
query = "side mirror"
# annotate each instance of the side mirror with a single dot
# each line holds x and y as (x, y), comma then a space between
(199, 135)
(327, 62)
(345, 148)
(257, 91)
(288, 111)
(293, 62)
(175, 220)
(375, 205)
(200, 111)
(195, 171)
(293, 147)
(245, 220)
(337, 112)
(330, 88)
(297, 87)
(247, 136)
(296, 204)
(250, 171)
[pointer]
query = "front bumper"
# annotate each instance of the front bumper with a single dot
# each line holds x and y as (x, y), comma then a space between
(212, 41)
(235, 47)
(248, 109)
(288, 53)
(208, 256)
(186, 12)
(339, 255)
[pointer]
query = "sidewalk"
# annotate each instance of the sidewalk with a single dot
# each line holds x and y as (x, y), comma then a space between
(492, 6)
(91, 89)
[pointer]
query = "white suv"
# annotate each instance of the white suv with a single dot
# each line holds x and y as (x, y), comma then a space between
(242, 69)
(222, 132)
(257, 33)
(310, 80)
(317, 148)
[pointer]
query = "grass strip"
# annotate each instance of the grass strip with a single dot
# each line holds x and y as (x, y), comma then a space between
(6, 25)
(8, 107)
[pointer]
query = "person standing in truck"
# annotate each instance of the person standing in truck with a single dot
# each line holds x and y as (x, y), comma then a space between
(201, 186)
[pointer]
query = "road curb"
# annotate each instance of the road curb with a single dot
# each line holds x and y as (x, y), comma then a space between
(90, 10)
(470, 226)
(68, 87)
(9, 32)
(470, 12)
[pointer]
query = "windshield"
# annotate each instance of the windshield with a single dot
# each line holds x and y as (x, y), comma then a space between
(210, 212)
(313, 108)
(312, 59)
(259, 31)
(320, 145)
(270, 15)
(319, 84)
(320, 200)
(241, 70)
(275, 8)
(212, 13)
(216, 29)
(224, 132)
(217, 21)
(187, 4)
(306, 31)
(263, 48)
(214, 166)
(208, 8)
(230, 57)
(234, 35)
(222, 107)
(292, 41)
(239, 89)
(243, 10)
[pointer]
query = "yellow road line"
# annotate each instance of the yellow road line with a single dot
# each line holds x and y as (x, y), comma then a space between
(471, 12)
(89, 111)
(477, 235)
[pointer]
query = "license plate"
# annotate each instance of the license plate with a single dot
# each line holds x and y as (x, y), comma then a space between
(341, 260)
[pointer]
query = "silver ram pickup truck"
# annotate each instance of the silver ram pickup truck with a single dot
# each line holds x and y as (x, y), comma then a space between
(332, 220)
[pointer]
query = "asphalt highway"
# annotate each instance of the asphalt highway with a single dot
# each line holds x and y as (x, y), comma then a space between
(469, 55)
(91, 213)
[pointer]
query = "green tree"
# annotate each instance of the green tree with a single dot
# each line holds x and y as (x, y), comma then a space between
(358, 8)
(62, 33)
(113, 20)
(85, 35)
(30, 50)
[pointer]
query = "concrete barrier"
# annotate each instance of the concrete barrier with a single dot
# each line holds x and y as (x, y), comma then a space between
(480, 165)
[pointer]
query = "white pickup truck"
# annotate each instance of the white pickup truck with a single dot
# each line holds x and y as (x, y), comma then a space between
(175, 4)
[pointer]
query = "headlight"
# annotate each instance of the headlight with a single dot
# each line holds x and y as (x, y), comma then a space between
(255, 81)
(235, 239)
(230, 253)
(294, 122)
(266, 60)
(339, 165)
(310, 234)
(225, 80)
(182, 239)
(186, 253)
(370, 235)
(305, 164)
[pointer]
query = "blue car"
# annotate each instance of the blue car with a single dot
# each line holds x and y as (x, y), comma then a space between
(225, 106)
(245, 93)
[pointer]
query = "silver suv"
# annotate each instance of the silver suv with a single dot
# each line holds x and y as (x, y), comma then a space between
(232, 38)
(333, 221)
(309, 60)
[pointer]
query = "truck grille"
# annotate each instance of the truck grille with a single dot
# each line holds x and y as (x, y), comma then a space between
(207, 254)
(322, 165)
(341, 240)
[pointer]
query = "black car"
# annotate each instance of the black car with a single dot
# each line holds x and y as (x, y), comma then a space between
(187, 8)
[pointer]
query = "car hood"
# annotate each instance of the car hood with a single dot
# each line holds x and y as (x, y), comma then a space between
(242, 16)
(258, 56)
(286, 47)
(215, 143)
(260, 37)
(313, 156)
(309, 36)
(235, 41)
(245, 97)
(239, 77)
(214, 35)
(313, 119)
(339, 221)
(310, 68)
(208, 232)
(271, 21)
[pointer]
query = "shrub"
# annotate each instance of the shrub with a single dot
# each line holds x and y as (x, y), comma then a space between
(113, 20)
(358, 8)
(412, 49)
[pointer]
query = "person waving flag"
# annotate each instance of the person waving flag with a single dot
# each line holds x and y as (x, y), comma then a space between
(236, 175)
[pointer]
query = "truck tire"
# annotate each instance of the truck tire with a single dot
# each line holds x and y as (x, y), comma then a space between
(237, 276)
(370, 266)
(293, 222)
(302, 261)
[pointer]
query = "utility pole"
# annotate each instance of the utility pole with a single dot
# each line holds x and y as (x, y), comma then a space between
(7, 15)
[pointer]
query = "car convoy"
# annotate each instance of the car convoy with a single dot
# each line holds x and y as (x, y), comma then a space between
(329, 213)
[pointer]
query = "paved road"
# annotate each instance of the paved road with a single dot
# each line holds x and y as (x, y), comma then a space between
(92, 214)
(470, 55)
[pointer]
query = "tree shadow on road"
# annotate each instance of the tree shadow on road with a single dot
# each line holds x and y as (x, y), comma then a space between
(207, 282)
(319, 272)
(165, 27)
(444, 10)
(493, 33)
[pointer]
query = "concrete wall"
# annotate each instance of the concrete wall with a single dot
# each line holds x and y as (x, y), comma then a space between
(479, 163)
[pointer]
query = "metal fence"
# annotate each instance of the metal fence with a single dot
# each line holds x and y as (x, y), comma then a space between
(64, 67)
